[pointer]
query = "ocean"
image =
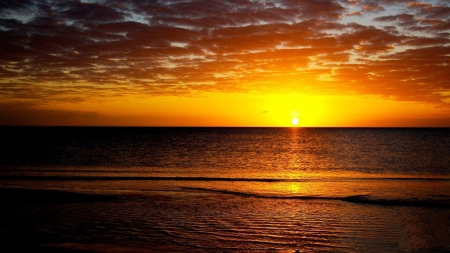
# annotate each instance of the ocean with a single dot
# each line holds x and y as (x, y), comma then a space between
(177, 189)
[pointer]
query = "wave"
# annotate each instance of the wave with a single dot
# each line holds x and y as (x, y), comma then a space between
(20, 195)
(357, 199)
(414, 202)
(229, 179)
(149, 178)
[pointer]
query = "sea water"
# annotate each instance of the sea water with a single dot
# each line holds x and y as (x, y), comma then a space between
(227, 189)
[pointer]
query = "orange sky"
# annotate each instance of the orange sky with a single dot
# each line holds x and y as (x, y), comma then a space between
(225, 63)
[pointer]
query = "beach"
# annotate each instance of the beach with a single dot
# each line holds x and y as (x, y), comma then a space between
(195, 221)
(279, 191)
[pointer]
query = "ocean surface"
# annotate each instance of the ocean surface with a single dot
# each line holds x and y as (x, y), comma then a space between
(125, 189)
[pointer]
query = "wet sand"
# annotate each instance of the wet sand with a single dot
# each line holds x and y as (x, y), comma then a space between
(199, 221)
(27, 196)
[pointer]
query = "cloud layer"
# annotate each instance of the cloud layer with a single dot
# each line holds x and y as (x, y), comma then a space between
(78, 50)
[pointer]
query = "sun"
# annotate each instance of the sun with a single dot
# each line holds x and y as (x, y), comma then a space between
(295, 121)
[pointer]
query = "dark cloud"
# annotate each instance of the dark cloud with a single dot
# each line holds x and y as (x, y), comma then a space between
(323, 9)
(427, 41)
(89, 12)
(75, 50)
(9, 7)
(424, 18)
(355, 13)
(372, 7)
(431, 11)
(370, 40)
(402, 19)
(23, 114)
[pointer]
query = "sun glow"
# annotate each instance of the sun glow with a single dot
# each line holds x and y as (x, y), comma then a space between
(294, 121)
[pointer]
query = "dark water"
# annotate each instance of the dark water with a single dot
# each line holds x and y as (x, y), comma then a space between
(227, 189)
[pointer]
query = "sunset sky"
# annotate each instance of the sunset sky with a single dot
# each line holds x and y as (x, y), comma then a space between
(225, 62)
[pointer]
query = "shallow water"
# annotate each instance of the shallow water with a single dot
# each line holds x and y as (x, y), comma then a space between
(210, 222)
(229, 189)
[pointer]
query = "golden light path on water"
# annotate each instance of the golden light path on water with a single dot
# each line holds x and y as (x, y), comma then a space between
(294, 189)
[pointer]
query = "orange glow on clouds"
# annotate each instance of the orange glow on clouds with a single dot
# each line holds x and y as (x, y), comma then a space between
(203, 63)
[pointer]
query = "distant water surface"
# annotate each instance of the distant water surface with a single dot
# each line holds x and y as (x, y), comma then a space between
(229, 189)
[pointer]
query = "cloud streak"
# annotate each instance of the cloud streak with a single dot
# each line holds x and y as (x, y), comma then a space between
(76, 50)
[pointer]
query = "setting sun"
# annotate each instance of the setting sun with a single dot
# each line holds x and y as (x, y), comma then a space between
(294, 121)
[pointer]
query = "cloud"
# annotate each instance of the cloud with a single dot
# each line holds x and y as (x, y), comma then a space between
(74, 51)
(26, 114)
(355, 13)
(20, 114)
(402, 19)
(89, 12)
(429, 10)
(372, 7)
(324, 9)
(425, 18)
